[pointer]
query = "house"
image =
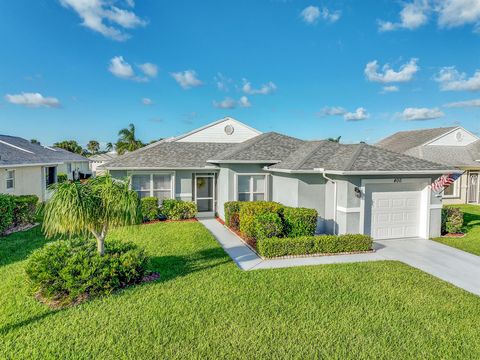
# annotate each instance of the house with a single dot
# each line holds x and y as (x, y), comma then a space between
(100, 159)
(28, 169)
(355, 188)
(454, 146)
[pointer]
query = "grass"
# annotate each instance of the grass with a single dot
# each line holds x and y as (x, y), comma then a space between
(205, 307)
(471, 241)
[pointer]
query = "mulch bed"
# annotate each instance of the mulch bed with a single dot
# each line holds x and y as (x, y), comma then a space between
(168, 221)
(251, 243)
(453, 235)
(19, 228)
(153, 276)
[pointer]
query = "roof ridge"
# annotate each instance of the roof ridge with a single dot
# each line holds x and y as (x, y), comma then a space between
(245, 144)
(407, 155)
(355, 155)
(310, 153)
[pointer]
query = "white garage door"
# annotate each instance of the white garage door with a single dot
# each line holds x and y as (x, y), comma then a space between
(395, 214)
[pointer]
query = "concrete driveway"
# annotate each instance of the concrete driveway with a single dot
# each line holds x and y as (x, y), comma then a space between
(457, 267)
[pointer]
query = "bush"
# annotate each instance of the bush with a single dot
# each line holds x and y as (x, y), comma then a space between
(249, 210)
(68, 271)
(299, 221)
(268, 225)
(306, 245)
(61, 178)
(178, 209)
(149, 208)
(7, 205)
(452, 220)
(232, 214)
(25, 209)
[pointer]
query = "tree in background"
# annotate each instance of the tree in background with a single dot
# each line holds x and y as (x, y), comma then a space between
(127, 140)
(93, 207)
(93, 146)
(35, 141)
(69, 145)
(109, 146)
(336, 140)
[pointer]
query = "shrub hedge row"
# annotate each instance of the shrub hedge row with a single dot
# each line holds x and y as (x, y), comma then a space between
(17, 210)
(249, 211)
(452, 220)
(306, 245)
(149, 208)
(178, 210)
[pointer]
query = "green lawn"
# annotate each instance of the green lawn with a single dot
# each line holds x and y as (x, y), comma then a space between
(471, 242)
(205, 307)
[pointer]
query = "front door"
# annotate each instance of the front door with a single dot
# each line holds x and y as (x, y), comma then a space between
(473, 188)
(205, 194)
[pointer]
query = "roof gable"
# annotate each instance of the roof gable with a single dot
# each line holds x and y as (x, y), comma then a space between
(405, 140)
(455, 137)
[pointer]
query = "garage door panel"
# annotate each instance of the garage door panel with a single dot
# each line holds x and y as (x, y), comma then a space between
(395, 214)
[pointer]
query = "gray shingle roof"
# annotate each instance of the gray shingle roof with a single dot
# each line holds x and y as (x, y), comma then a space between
(355, 157)
(464, 156)
(169, 155)
(103, 157)
(405, 140)
(265, 147)
(17, 151)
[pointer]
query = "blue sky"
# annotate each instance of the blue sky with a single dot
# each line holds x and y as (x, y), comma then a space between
(75, 69)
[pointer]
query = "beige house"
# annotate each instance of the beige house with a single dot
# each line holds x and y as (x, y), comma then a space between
(29, 169)
(454, 146)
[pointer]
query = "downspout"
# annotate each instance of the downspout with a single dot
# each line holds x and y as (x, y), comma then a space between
(335, 230)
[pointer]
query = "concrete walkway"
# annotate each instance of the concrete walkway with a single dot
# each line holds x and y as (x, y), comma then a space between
(457, 267)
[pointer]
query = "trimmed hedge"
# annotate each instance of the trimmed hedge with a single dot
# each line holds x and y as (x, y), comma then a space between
(299, 221)
(178, 209)
(149, 208)
(306, 245)
(452, 220)
(268, 225)
(25, 209)
(250, 210)
(232, 214)
(7, 205)
(61, 178)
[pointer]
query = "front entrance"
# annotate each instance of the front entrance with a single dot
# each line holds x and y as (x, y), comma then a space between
(205, 194)
(473, 188)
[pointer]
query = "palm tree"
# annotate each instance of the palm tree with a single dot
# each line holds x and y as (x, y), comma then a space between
(109, 146)
(93, 146)
(127, 140)
(94, 207)
(336, 140)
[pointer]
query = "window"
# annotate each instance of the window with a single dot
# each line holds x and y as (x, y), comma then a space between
(452, 190)
(11, 179)
(157, 185)
(50, 176)
(251, 187)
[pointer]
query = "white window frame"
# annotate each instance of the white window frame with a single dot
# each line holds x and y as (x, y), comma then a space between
(10, 177)
(456, 189)
(152, 190)
(251, 192)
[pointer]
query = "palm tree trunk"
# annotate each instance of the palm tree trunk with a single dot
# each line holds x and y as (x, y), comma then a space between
(101, 240)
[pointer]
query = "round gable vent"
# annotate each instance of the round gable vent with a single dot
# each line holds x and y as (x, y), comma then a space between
(459, 136)
(229, 129)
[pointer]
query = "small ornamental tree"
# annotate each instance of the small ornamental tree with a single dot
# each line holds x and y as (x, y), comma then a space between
(92, 207)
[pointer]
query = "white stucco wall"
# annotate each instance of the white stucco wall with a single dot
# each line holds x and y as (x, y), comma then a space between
(28, 181)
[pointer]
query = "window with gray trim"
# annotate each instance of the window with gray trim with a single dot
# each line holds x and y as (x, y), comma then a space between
(10, 179)
(251, 187)
(155, 185)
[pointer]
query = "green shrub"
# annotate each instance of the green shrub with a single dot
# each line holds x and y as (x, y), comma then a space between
(232, 214)
(149, 208)
(299, 221)
(61, 178)
(178, 209)
(7, 205)
(452, 220)
(249, 210)
(268, 225)
(25, 209)
(306, 245)
(68, 270)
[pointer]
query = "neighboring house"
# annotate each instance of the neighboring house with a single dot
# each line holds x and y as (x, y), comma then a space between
(27, 168)
(99, 160)
(454, 146)
(355, 188)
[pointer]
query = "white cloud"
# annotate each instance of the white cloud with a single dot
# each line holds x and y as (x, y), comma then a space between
(450, 13)
(359, 114)
(311, 14)
(120, 68)
(466, 103)
(149, 69)
(450, 79)
(332, 111)
(222, 82)
(265, 89)
(32, 100)
(147, 101)
(187, 79)
(418, 114)
(244, 102)
(388, 75)
(227, 103)
(104, 17)
(390, 88)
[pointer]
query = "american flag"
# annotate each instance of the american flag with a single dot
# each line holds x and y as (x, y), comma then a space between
(444, 181)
